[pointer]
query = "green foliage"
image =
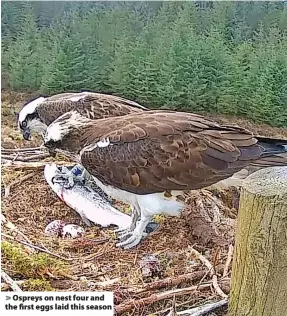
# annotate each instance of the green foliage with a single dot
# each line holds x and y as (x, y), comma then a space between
(33, 265)
(220, 57)
(22, 58)
(37, 285)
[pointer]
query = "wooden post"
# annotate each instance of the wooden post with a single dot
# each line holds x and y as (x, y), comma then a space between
(259, 270)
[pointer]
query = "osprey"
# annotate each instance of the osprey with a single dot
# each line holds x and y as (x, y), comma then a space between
(36, 115)
(150, 159)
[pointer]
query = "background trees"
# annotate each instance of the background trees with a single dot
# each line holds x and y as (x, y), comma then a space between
(221, 57)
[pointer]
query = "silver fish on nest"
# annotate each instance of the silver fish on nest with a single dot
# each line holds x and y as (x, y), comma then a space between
(89, 201)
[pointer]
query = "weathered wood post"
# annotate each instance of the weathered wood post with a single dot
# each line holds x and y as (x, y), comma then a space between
(259, 270)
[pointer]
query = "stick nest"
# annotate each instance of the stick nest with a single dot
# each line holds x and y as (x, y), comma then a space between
(207, 224)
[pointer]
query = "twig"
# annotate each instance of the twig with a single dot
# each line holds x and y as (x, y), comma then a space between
(168, 309)
(33, 165)
(18, 181)
(200, 282)
(20, 165)
(36, 157)
(97, 241)
(8, 157)
(15, 157)
(170, 281)
(205, 275)
(21, 149)
(157, 297)
(5, 286)
(212, 272)
(172, 310)
(94, 256)
(10, 154)
(13, 228)
(202, 310)
(135, 259)
(228, 261)
(25, 159)
(10, 282)
(37, 248)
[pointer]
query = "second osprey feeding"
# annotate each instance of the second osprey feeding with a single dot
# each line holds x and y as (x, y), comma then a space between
(149, 159)
(38, 114)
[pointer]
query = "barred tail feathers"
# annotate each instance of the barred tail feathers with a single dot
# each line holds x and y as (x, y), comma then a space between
(274, 152)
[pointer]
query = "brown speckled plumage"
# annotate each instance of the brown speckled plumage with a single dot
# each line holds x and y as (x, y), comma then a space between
(156, 151)
(92, 105)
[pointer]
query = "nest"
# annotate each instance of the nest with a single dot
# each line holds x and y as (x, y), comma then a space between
(185, 263)
(88, 266)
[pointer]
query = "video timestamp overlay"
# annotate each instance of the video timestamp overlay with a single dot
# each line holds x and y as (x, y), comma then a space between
(58, 303)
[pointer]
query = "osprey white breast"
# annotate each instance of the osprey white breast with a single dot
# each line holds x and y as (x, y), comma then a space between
(59, 128)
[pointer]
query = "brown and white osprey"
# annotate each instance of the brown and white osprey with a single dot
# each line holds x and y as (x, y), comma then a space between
(149, 159)
(36, 115)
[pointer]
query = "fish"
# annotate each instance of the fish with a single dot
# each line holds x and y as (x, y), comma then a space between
(89, 201)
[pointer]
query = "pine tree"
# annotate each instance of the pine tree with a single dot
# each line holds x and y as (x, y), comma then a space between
(68, 69)
(199, 56)
(25, 67)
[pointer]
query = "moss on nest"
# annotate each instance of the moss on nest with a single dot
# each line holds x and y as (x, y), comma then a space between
(31, 265)
(38, 285)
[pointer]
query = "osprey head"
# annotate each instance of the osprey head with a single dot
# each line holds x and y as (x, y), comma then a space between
(65, 132)
(29, 120)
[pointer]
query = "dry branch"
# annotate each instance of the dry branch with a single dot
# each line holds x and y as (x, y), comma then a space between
(163, 311)
(172, 310)
(228, 261)
(35, 157)
(14, 229)
(171, 281)
(10, 282)
(5, 286)
(23, 155)
(202, 310)
(212, 271)
(32, 165)
(17, 157)
(138, 303)
(37, 248)
(16, 150)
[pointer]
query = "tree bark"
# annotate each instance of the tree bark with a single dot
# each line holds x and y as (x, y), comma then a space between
(259, 271)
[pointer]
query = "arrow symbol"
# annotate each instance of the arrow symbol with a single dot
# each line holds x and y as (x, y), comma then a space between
(8, 298)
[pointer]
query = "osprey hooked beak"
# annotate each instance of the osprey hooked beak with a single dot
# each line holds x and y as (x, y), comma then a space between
(52, 152)
(26, 133)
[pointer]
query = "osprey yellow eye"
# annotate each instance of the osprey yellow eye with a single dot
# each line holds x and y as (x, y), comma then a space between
(24, 124)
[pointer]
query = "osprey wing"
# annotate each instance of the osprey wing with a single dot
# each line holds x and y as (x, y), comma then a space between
(88, 104)
(166, 151)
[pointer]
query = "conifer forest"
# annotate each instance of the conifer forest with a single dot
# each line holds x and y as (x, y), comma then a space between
(199, 56)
